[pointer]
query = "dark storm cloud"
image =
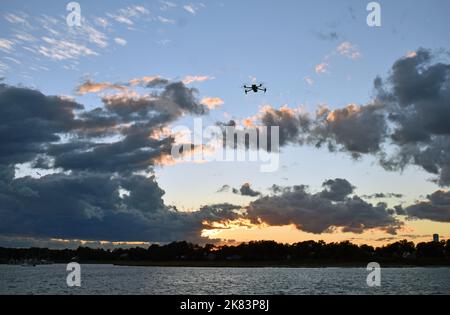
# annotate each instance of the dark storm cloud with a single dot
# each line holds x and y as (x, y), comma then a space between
(244, 190)
(435, 208)
(137, 149)
(97, 206)
(355, 129)
(317, 213)
(337, 189)
(183, 97)
(134, 152)
(291, 124)
(29, 120)
(175, 100)
(80, 205)
(100, 197)
(32, 124)
(417, 98)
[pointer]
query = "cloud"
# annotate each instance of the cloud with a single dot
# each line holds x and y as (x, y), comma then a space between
(383, 196)
(321, 68)
(101, 21)
(166, 5)
(92, 87)
(348, 50)
(33, 124)
(17, 18)
(407, 123)
(409, 113)
(416, 98)
(25, 37)
(30, 120)
(355, 129)
(196, 78)
(309, 81)
(149, 81)
(120, 41)
(17, 62)
(94, 36)
(190, 8)
(246, 190)
(89, 206)
(95, 189)
(62, 49)
(129, 15)
(138, 116)
(183, 97)
(435, 208)
(411, 54)
(49, 36)
(291, 123)
(224, 188)
(6, 45)
(166, 20)
(345, 49)
(337, 189)
(318, 213)
(3, 67)
(62, 43)
(104, 190)
(212, 102)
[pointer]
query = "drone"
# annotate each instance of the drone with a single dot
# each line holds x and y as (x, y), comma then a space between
(255, 88)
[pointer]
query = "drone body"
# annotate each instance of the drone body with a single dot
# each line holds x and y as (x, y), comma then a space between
(255, 88)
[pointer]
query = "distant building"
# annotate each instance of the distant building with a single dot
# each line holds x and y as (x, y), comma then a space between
(435, 237)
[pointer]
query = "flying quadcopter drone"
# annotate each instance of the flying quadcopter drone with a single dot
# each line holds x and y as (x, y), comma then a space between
(254, 87)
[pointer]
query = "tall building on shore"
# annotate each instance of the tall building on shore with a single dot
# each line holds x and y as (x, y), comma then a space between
(435, 237)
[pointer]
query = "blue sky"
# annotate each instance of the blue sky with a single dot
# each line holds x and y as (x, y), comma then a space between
(230, 43)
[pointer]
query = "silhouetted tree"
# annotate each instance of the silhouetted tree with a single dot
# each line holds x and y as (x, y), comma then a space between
(251, 251)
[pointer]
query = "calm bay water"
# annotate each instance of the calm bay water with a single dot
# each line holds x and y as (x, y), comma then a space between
(108, 279)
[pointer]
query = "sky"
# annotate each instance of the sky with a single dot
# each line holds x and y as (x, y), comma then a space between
(88, 118)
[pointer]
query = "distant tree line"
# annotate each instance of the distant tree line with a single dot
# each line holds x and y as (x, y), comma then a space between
(401, 251)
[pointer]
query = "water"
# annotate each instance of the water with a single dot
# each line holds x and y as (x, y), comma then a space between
(108, 279)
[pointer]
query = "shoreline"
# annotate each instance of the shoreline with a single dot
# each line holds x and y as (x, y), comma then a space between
(273, 264)
(250, 264)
